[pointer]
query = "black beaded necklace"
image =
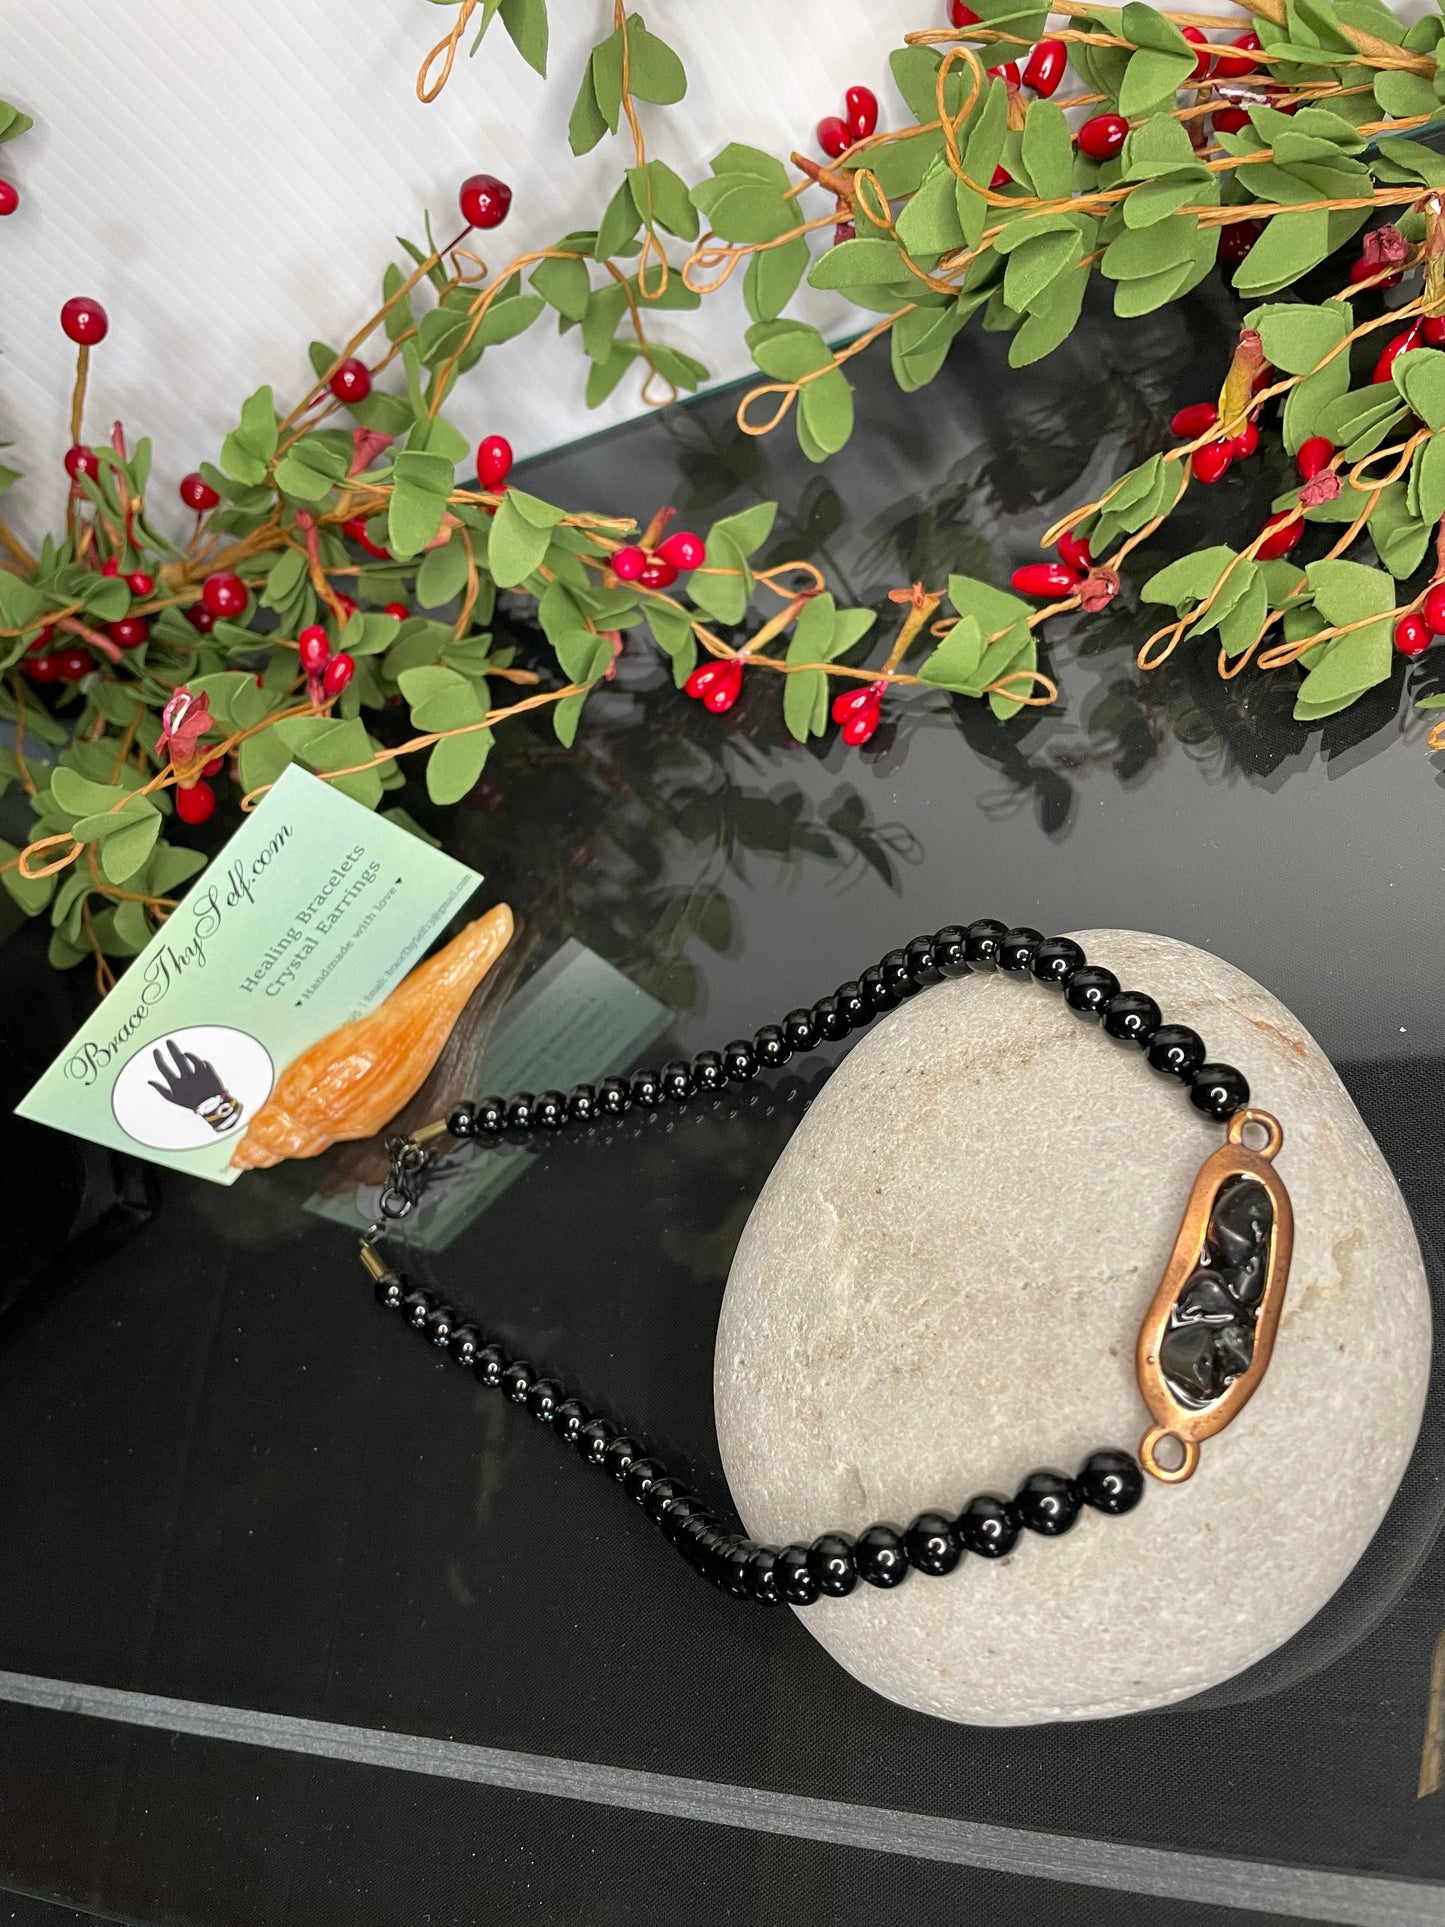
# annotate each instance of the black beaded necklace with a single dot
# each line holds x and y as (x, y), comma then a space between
(1202, 1349)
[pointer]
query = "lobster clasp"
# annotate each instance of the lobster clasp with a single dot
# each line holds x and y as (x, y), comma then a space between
(406, 1180)
(1206, 1339)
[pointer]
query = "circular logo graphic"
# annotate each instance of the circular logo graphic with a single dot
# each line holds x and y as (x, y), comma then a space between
(196, 1085)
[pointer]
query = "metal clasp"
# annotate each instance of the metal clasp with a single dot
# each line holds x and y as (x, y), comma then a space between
(404, 1183)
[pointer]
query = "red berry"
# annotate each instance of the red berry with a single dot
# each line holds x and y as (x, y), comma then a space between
(44, 668)
(1103, 136)
(314, 647)
(833, 136)
(352, 381)
(1397, 345)
(1313, 456)
(81, 461)
(397, 609)
(859, 711)
(9, 198)
(844, 231)
(628, 563)
(1210, 462)
(1044, 68)
(224, 594)
(1232, 66)
(1194, 419)
(196, 804)
(961, 15)
(657, 574)
(200, 618)
(1008, 73)
(355, 531)
(1364, 270)
(861, 110)
(1412, 638)
(484, 201)
(1244, 443)
(84, 320)
(337, 674)
(1237, 239)
(1433, 609)
(130, 632)
(141, 584)
(1074, 552)
(1197, 37)
(1045, 579)
(215, 766)
(43, 641)
(716, 685)
(1229, 120)
(683, 550)
(73, 664)
(1432, 330)
(110, 566)
(1287, 532)
(858, 729)
(1001, 178)
(197, 493)
(347, 607)
(494, 460)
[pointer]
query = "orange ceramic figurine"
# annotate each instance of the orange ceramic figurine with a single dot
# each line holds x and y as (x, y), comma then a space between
(353, 1082)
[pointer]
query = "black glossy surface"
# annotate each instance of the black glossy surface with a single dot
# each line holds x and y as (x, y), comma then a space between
(230, 1478)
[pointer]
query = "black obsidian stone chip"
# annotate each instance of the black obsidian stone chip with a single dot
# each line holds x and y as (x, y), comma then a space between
(1203, 1361)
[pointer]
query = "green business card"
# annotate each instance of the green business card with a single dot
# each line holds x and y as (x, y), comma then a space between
(305, 919)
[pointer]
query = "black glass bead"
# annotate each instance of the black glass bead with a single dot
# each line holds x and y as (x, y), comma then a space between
(391, 1291)
(933, 1544)
(582, 1103)
(700, 1534)
(593, 1439)
(1055, 960)
(1110, 1482)
(1176, 1051)
(489, 1364)
(679, 1513)
(645, 1088)
(950, 956)
(661, 1496)
(466, 1342)
(1090, 990)
(543, 1400)
(880, 1557)
(830, 1560)
(800, 1030)
(619, 1455)
(1016, 949)
(459, 1120)
(489, 1117)
(919, 957)
(613, 1096)
(677, 1081)
(735, 1567)
(830, 1021)
(877, 993)
(717, 1547)
(518, 1379)
(988, 1526)
(740, 1060)
(773, 1049)
(853, 1006)
(519, 1111)
(1132, 1017)
(982, 939)
(441, 1323)
(897, 975)
(795, 1576)
(761, 1576)
(549, 1110)
(707, 1071)
(417, 1307)
(641, 1476)
(568, 1419)
(1219, 1090)
(1046, 1502)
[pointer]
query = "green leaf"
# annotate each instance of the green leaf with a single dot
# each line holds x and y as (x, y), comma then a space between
(620, 221)
(516, 547)
(1051, 318)
(1155, 201)
(1152, 78)
(995, 609)
(738, 207)
(747, 530)
(1296, 336)
(1157, 148)
(78, 796)
(919, 343)
(587, 124)
(1048, 150)
(442, 575)
(1419, 374)
(248, 449)
(526, 22)
(804, 695)
(980, 158)
(1189, 580)
(957, 661)
(31, 894)
(929, 225)
(826, 410)
(1403, 95)
(738, 158)
(327, 743)
(787, 350)
(654, 70)
(1246, 615)
(861, 263)
(723, 587)
(771, 278)
(1399, 536)
(1032, 267)
(663, 199)
(1290, 246)
(541, 515)
(566, 715)
(455, 763)
(414, 517)
(565, 285)
(124, 851)
(287, 575)
(1418, 162)
(1349, 591)
(1428, 476)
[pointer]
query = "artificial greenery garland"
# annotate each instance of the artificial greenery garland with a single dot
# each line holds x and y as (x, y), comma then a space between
(312, 519)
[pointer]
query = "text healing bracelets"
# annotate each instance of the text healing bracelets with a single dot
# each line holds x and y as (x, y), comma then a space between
(1202, 1349)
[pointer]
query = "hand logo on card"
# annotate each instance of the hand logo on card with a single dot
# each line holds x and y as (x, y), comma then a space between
(195, 1085)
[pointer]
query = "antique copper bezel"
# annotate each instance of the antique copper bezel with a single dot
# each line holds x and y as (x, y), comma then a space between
(1189, 1423)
